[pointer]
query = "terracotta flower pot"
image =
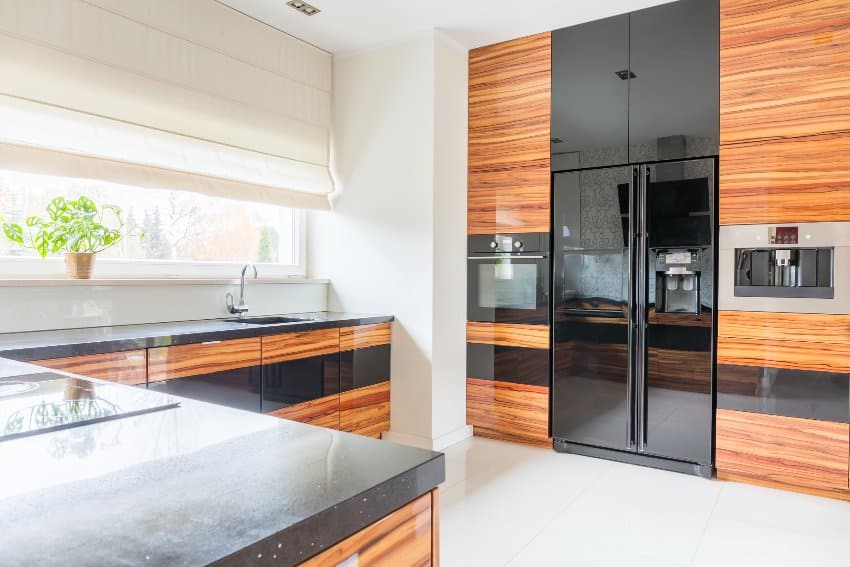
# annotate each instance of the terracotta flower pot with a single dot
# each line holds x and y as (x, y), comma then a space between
(79, 265)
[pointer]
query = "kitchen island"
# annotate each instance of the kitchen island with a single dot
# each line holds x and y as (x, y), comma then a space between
(202, 483)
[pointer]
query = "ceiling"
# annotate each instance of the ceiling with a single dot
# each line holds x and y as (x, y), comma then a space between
(348, 26)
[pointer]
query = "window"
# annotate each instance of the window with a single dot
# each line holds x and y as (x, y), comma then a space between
(185, 234)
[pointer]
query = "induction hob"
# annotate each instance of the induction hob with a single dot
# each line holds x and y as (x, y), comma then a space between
(47, 401)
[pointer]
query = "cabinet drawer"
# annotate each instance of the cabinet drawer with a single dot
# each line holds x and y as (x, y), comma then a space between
(365, 411)
(507, 411)
(784, 450)
(127, 367)
(365, 336)
(323, 412)
(166, 363)
(292, 346)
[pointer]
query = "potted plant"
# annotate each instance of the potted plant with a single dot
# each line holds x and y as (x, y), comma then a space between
(76, 227)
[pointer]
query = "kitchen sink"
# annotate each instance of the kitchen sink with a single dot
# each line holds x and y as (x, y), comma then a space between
(268, 320)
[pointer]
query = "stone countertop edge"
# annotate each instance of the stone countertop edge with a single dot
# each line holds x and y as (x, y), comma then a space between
(313, 535)
(148, 335)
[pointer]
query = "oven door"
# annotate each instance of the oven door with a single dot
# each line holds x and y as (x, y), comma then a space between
(508, 289)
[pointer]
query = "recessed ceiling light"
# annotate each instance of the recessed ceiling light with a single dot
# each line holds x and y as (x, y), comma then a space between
(557, 141)
(303, 7)
(626, 74)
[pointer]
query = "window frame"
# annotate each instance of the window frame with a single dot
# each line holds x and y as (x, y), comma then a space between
(33, 267)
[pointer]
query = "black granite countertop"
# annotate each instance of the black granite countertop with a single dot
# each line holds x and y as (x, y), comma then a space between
(194, 485)
(61, 343)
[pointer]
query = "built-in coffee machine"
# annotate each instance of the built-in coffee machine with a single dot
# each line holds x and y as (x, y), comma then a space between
(784, 268)
(677, 280)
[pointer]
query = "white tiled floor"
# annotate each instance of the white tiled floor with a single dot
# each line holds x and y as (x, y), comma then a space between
(507, 504)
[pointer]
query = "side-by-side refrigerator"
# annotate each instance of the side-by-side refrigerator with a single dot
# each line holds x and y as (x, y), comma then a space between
(633, 301)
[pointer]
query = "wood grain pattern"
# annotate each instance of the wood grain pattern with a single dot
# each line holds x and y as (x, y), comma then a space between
(784, 450)
(510, 87)
(364, 336)
(837, 493)
(801, 341)
(405, 537)
(323, 412)
(507, 411)
(435, 527)
(166, 363)
(127, 367)
(508, 334)
(365, 411)
(292, 346)
(783, 68)
(790, 180)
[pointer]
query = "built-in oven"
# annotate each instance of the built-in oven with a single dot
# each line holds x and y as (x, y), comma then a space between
(508, 278)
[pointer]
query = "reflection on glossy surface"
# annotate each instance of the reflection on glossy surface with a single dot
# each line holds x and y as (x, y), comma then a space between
(47, 401)
(780, 391)
(192, 485)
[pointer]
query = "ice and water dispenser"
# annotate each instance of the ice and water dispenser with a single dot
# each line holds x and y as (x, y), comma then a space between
(785, 269)
(677, 280)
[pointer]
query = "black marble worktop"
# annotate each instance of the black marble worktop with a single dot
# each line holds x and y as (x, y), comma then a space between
(61, 343)
(194, 485)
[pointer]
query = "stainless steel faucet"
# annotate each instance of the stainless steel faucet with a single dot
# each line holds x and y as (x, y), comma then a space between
(240, 308)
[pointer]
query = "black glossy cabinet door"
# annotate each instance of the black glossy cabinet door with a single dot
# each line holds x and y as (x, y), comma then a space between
(674, 91)
(237, 388)
(590, 94)
(301, 380)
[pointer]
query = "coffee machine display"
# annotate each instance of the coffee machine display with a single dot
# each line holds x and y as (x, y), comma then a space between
(677, 281)
(784, 272)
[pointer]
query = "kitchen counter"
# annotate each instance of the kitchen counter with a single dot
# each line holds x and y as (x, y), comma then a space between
(196, 484)
(62, 343)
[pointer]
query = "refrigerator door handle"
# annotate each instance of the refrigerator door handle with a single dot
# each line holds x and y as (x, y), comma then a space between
(643, 271)
(630, 295)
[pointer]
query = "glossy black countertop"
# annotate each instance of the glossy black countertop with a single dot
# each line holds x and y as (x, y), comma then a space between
(194, 485)
(35, 345)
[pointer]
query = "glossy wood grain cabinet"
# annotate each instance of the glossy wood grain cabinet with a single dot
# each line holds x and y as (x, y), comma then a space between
(364, 404)
(301, 377)
(126, 367)
(508, 161)
(785, 111)
(408, 536)
(223, 372)
(801, 454)
(507, 385)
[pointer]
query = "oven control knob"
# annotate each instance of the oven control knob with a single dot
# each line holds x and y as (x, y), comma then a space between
(518, 244)
(494, 244)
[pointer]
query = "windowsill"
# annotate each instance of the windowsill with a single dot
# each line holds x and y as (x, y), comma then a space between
(176, 280)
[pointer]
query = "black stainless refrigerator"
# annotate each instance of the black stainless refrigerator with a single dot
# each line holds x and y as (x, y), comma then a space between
(633, 313)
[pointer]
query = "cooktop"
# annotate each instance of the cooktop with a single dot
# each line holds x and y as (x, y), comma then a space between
(47, 401)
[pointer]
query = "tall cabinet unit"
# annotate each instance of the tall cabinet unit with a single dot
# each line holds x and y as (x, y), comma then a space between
(634, 146)
(508, 222)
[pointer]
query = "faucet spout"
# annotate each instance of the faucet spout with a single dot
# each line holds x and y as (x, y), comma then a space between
(241, 308)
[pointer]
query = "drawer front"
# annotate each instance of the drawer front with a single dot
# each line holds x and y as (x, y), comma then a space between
(322, 412)
(166, 363)
(294, 382)
(127, 367)
(783, 450)
(365, 336)
(507, 411)
(236, 388)
(292, 346)
(366, 411)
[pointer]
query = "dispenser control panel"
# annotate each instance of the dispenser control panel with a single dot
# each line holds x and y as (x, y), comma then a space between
(783, 235)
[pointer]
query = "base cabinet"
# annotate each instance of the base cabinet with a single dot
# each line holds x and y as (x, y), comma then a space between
(508, 411)
(365, 411)
(804, 455)
(408, 536)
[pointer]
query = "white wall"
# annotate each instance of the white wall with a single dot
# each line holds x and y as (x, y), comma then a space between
(398, 224)
(61, 305)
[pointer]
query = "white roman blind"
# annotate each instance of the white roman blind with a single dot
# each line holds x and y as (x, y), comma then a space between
(178, 94)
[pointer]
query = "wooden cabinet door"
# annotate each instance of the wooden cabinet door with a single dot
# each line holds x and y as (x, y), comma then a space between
(126, 367)
(509, 108)
(785, 451)
(364, 404)
(222, 372)
(301, 377)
